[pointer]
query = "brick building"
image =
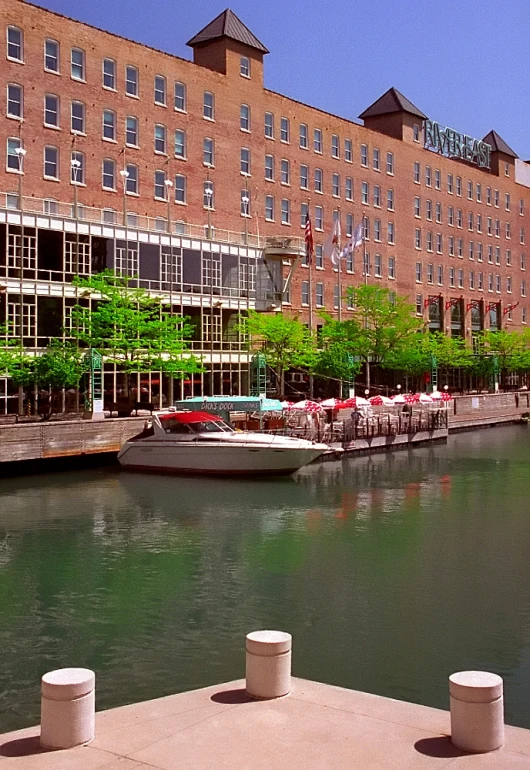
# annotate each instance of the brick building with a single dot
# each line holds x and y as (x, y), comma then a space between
(123, 156)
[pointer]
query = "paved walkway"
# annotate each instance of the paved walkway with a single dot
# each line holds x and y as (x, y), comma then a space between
(317, 727)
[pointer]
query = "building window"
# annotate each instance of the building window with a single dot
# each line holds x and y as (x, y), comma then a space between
(430, 273)
(416, 132)
(317, 140)
(131, 131)
(521, 235)
(305, 292)
(496, 199)
(452, 277)
(335, 185)
(364, 155)
(508, 284)
(478, 192)
(497, 229)
(269, 125)
(470, 221)
(77, 64)
(490, 282)
(460, 278)
(109, 125)
(479, 252)
(180, 97)
(377, 229)
(523, 262)
(269, 168)
(304, 176)
(428, 210)
(418, 272)
(244, 117)
(419, 304)
(304, 213)
(508, 230)
(365, 193)
(391, 233)
(77, 168)
(285, 133)
(51, 206)
(488, 196)
(336, 296)
(14, 101)
(391, 267)
(521, 208)
(390, 200)
(244, 165)
(375, 159)
(348, 188)
(320, 294)
(437, 179)
(208, 199)
(208, 152)
(451, 246)
(348, 153)
(269, 208)
(417, 238)
(15, 44)
(319, 256)
(131, 179)
(377, 196)
(459, 185)
(319, 218)
(131, 81)
(109, 74)
(335, 146)
(304, 136)
(51, 162)
(417, 206)
(160, 139)
(450, 183)
(523, 315)
(417, 172)
(471, 250)
(244, 66)
(160, 185)
(523, 288)
(318, 180)
(428, 176)
(439, 213)
(78, 118)
(460, 248)
(51, 56)
(390, 163)
(498, 284)
(459, 218)
(286, 212)
(160, 90)
(471, 279)
(479, 223)
(109, 174)
(378, 266)
(208, 106)
(480, 282)
(180, 144)
(439, 243)
(429, 241)
(285, 176)
(440, 275)
(349, 224)
(180, 188)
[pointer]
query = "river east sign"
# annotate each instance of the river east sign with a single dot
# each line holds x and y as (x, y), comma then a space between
(450, 143)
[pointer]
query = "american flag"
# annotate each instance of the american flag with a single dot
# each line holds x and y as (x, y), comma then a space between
(308, 239)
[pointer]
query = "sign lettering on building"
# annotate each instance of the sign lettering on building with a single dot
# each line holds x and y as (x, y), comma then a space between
(450, 143)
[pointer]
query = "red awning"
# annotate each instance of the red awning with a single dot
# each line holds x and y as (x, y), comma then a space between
(189, 417)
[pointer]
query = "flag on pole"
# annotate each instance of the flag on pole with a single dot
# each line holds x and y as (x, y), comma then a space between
(356, 240)
(309, 247)
(331, 247)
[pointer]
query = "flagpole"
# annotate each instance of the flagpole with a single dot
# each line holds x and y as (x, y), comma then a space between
(340, 273)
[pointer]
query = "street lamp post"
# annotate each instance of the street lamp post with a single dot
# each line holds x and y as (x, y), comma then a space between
(208, 192)
(124, 175)
(75, 165)
(21, 154)
(169, 185)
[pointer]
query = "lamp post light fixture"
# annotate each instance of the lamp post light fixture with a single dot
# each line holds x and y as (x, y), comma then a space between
(446, 388)
(208, 191)
(168, 184)
(76, 168)
(124, 175)
(367, 392)
(245, 200)
(398, 388)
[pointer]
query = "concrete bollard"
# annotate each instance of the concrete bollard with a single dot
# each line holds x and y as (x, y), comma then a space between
(67, 708)
(268, 664)
(477, 711)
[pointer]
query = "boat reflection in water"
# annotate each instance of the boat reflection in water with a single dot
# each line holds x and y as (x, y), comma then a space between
(202, 443)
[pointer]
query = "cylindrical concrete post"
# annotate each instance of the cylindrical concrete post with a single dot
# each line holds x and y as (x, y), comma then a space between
(477, 711)
(268, 655)
(67, 708)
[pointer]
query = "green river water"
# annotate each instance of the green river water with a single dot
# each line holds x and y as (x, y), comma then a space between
(390, 571)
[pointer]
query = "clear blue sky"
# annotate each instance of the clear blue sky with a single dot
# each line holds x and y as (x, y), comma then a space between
(465, 63)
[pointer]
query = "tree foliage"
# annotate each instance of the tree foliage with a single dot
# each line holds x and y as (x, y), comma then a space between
(131, 328)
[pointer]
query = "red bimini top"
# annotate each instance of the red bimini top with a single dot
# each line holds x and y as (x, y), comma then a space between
(187, 417)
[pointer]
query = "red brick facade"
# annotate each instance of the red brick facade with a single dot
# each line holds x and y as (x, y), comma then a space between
(217, 70)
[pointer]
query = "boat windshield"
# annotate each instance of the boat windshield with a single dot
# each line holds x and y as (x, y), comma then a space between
(210, 427)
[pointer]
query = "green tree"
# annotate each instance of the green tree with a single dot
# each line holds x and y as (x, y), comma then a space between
(60, 366)
(131, 328)
(511, 349)
(286, 342)
(417, 357)
(383, 324)
(336, 355)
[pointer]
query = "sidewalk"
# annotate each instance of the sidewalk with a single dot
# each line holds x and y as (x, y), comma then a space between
(317, 727)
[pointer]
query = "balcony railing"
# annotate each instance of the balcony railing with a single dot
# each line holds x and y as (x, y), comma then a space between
(110, 217)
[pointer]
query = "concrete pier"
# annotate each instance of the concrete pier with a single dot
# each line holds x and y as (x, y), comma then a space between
(316, 726)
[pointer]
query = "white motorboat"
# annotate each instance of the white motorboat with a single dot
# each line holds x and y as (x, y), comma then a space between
(200, 442)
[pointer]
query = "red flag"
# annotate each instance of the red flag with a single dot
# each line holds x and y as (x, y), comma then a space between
(308, 239)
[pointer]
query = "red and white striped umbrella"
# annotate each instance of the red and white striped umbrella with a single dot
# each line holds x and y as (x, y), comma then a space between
(307, 406)
(411, 398)
(381, 401)
(332, 403)
(424, 398)
(446, 396)
(287, 404)
(436, 395)
(354, 402)
(399, 399)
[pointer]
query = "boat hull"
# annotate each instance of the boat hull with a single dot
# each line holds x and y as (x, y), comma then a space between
(221, 460)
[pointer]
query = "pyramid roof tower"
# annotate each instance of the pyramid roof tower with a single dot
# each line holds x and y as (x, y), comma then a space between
(391, 101)
(227, 25)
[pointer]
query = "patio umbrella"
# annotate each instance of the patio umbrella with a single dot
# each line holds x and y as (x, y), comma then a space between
(399, 399)
(307, 406)
(353, 402)
(447, 397)
(381, 401)
(436, 395)
(331, 403)
(287, 404)
(424, 398)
